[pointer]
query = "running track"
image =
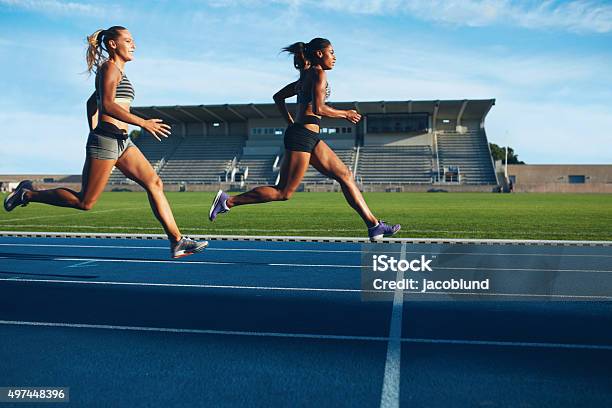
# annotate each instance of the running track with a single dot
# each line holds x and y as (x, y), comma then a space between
(256, 323)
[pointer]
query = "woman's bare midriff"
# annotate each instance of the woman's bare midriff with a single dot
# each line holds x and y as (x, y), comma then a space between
(301, 113)
(121, 125)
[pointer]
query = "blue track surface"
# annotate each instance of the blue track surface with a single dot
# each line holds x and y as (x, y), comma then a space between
(284, 324)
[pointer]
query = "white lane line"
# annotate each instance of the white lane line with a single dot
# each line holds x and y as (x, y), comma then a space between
(81, 264)
(467, 268)
(186, 285)
(391, 381)
(576, 346)
(510, 254)
(331, 251)
(316, 265)
(200, 262)
(11, 222)
(17, 244)
(504, 295)
(146, 261)
(165, 248)
(194, 331)
(440, 255)
(511, 344)
(301, 289)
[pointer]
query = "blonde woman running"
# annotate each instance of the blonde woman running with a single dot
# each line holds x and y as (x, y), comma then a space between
(108, 145)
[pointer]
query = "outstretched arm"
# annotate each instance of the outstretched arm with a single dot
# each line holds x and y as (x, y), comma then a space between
(279, 99)
(110, 79)
(319, 107)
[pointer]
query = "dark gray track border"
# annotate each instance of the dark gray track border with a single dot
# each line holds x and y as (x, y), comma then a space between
(263, 238)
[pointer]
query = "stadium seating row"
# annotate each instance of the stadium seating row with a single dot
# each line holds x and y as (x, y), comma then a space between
(202, 159)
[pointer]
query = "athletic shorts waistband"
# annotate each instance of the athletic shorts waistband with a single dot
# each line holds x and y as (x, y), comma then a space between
(110, 130)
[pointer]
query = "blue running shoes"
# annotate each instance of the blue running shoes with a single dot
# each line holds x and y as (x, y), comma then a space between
(218, 206)
(381, 230)
(17, 197)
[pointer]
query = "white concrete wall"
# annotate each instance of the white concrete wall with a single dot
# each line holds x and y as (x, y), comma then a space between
(398, 140)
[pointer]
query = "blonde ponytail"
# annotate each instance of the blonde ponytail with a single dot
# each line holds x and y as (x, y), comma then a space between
(97, 44)
(94, 51)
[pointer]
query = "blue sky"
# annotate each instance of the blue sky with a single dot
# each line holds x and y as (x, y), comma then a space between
(547, 63)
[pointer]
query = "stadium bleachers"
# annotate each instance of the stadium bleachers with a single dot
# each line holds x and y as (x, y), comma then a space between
(469, 151)
(259, 155)
(395, 164)
(446, 156)
(200, 159)
(343, 144)
(401, 145)
(313, 176)
(117, 177)
(260, 168)
(155, 151)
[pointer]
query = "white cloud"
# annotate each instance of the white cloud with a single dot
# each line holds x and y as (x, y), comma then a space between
(545, 76)
(541, 98)
(576, 15)
(167, 81)
(56, 7)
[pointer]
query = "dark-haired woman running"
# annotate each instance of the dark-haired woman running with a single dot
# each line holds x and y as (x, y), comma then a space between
(302, 143)
(108, 145)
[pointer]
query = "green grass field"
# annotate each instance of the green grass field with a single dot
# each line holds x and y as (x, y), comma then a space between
(431, 215)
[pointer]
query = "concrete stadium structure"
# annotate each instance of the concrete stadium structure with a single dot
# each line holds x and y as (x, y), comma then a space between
(398, 146)
(559, 178)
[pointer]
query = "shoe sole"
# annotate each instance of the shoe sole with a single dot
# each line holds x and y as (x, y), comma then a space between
(381, 236)
(214, 204)
(181, 254)
(11, 195)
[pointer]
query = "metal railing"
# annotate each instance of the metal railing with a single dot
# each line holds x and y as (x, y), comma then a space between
(159, 165)
(356, 164)
(437, 154)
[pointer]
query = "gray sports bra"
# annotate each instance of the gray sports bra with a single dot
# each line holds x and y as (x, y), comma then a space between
(124, 92)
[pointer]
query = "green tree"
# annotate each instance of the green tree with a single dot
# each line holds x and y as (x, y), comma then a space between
(499, 153)
(135, 134)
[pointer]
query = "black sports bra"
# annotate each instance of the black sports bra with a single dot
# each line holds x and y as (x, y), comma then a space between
(304, 96)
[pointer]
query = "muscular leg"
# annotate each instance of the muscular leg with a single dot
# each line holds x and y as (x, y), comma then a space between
(325, 161)
(95, 176)
(136, 167)
(292, 171)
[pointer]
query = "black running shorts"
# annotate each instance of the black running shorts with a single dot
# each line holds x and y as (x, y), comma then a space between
(300, 139)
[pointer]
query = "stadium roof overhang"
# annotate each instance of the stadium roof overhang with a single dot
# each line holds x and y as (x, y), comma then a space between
(443, 109)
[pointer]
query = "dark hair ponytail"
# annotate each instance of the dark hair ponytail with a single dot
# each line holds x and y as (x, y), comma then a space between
(98, 44)
(299, 59)
(304, 54)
